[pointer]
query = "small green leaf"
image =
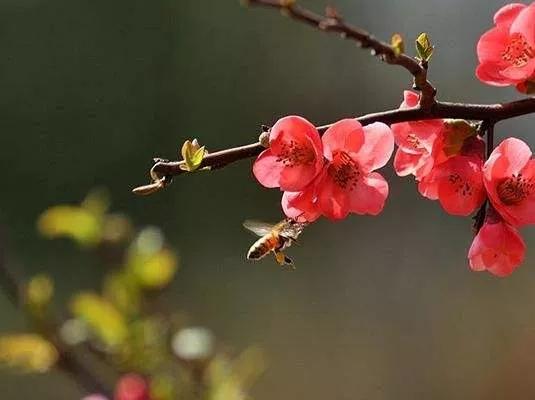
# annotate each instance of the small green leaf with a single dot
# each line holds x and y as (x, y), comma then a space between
(397, 44)
(193, 154)
(424, 48)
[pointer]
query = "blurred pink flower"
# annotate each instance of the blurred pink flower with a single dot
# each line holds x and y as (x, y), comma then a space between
(132, 387)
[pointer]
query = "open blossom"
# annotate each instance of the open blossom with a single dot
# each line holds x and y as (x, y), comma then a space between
(457, 184)
(509, 177)
(294, 156)
(348, 183)
(497, 248)
(507, 52)
(415, 141)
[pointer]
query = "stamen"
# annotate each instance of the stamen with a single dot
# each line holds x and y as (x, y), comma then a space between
(344, 171)
(518, 52)
(293, 153)
(515, 189)
(463, 187)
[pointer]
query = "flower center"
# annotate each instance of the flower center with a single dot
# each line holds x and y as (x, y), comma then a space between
(462, 186)
(518, 52)
(515, 189)
(293, 153)
(344, 171)
(414, 141)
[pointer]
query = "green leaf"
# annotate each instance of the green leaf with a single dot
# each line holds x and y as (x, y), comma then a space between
(192, 154)
(424, 48)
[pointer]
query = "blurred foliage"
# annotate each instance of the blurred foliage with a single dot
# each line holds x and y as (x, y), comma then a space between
(27, 352)
(124, 323)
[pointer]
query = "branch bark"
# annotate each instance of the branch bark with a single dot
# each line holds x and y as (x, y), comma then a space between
(162, 171)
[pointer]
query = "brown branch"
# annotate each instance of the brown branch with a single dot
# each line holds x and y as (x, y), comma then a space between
(163, 171)
(334, 23)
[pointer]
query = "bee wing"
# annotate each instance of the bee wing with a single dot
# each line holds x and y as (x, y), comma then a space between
(257, 227)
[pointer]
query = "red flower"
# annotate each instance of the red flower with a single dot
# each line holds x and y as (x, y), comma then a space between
(509, 177)
(131, 387)
(294, 156)
(415, 141)
(507, 52)
(497, 248)
(347, 183)
(457, 183)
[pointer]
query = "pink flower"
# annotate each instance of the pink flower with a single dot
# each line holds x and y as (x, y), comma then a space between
(348, 183)
(303, 206)
(415, 141)
(132, 387)
(509, 177)
(497, 248)
(294, 156)
(507, 52)
(458, 185)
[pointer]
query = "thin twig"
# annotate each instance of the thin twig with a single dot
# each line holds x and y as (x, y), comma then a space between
(334, 23)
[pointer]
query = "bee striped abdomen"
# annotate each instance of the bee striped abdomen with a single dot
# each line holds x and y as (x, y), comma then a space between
(262, 247)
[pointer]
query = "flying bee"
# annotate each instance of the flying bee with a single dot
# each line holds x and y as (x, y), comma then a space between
(274, 238)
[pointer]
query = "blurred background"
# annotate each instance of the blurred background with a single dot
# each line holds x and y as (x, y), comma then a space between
(378, 308)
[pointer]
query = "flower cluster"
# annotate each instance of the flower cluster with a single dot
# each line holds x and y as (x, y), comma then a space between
(331, 176)
(334, 175)
(507, 52)
(447, 159)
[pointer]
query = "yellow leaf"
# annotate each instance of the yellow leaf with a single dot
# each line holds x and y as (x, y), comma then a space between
(101, 316)
(192, 154)
(39, 291)
(397, 44)
(27, 352)
(153, 270)
(424, 48)
(74, 222)
(97, 201)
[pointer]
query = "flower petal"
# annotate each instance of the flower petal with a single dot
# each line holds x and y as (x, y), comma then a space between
(524, 23)
(377, 148)
(491, 46)
(345, 135)
(508, 158)
(507, 14)
(460, 187)
(369, 196)
(333, 201)
(267, 170)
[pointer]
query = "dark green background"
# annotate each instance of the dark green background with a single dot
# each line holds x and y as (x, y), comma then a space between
(379, 308)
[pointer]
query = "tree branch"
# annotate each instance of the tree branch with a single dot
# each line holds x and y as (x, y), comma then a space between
(332, 22)
(163, 171)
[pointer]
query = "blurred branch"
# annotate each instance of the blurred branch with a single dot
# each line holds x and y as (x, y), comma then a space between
(14, 287)
(333, 22)
(163, 171)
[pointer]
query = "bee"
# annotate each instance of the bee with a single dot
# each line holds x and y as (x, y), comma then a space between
(274, 238)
